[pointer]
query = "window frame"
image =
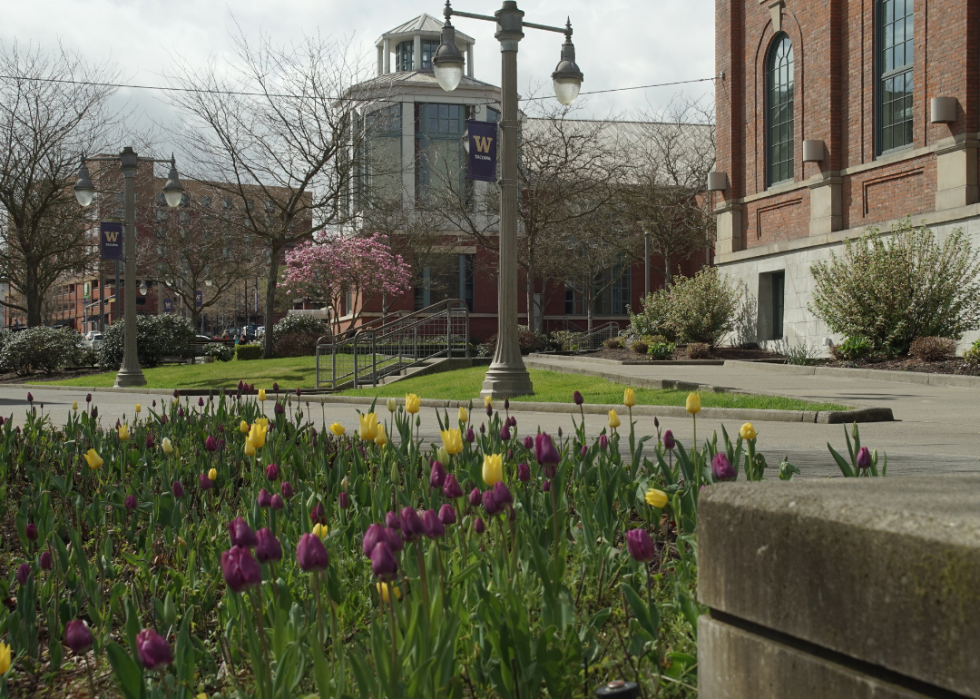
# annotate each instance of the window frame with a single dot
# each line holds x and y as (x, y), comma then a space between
(769, 69)
(881, 76)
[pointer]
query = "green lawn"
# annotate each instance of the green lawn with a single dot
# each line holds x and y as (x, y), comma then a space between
(297, 372)
(554, 387)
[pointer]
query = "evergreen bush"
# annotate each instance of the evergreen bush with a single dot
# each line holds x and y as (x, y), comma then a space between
(249, 352)
(157, 338)
(39, 349)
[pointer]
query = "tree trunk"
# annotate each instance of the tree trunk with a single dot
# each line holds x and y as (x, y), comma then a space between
(532, 319)
(32, 297)
(270, 296)
(588, 310)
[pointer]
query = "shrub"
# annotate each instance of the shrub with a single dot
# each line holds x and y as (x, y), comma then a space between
(296, 345)
(801, 355)
(933, 349)
(704, 308)
(614, 343)
(157, 337)
(698, 350)
(39, 349)
(296, 323)
(562, 340)
(86, 356)
(972, 355)
(654, 318)
(852, 348)
(892, 291)
(526, 338)
(661, 351)
(220, 352)
(247, 352)
(654, 339)
(640, 346)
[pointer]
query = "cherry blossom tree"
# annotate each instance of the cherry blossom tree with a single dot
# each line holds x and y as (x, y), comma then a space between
(331, 267)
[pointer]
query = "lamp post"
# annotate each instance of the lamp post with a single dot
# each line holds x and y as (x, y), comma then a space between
(130, 373)
(507, 375)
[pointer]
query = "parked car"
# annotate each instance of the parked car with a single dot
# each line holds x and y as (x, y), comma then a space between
(93, 338)
(260, 332)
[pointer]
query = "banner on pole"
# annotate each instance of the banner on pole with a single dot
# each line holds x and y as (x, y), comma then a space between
(482, 137)
(199, 298)
(168, 305)
(111, 237)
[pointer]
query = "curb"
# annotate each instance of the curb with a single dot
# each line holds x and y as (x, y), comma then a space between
(921, 378)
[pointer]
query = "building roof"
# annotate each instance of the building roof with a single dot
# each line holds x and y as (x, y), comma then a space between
(409, 79)
(423, 24)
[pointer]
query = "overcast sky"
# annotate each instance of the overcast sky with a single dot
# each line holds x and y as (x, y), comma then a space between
(619, 43)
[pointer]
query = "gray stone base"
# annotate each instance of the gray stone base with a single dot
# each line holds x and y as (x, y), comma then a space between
(126, 379)
(507, 382)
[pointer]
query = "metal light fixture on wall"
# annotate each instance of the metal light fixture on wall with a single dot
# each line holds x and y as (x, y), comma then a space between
(717, 181)
(942, 110)
(813, 151)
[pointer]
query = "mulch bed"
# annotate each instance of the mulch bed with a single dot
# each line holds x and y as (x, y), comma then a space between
(41, 378)
(681, 354)
(948, 366)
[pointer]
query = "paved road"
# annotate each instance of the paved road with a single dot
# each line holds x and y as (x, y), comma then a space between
(937, 429)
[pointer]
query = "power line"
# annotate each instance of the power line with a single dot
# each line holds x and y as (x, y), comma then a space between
(634, 87)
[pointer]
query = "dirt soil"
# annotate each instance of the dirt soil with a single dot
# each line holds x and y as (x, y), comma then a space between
(42, 377)
(681, 354)
(948, 366)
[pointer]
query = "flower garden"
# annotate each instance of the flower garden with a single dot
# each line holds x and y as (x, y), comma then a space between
(200, 549)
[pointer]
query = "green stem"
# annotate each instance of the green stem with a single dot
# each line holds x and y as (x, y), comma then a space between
(256, 603)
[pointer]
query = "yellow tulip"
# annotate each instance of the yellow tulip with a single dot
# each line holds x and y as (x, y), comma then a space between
(138, 408)
(442, 456)
(412, 403)
(93, 459)
(392, 405)
(249, 448)
(656, 498)
(487, 402)
(452, 440)
(383, 591)
(256, 434)
(74, 406)
(629, 397)
(338, 429)
(5, 654)
(167, 447)
(243, 428)
(202, 695)
(464, 414)
(369, 426)
(123, 433)
(213, 474)
(614, 419)
(493, 468)
(381, 438)
(748, 432)
(262, 394)
(693, 405)
(320, 530)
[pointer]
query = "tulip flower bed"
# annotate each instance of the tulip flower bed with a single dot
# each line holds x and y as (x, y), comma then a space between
(202, 549)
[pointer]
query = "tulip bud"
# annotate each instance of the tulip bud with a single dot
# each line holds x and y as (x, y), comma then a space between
(475, 497)
(412, 526)
(343, 500)
(505, 431)
(78, 637)
(437, 476)
(279, 409)
(383, 562)
(523, 473)
(88, 397)
(268, 548)
(200, 402)
(577, 397)
(434, 528)
(375, 533)
(394, 539)
(203, 482)
(23, 573)
(546, 486)
(311, 554)
(603, 441)
(392, 405)
(30, 398)
(669, 440)
(240, 570)
(490, 504)
(299, 393)
(180, 411)
(241, 534)
(863, 458)
(722, 469)
(286, 489)
(478, 526)
(264, 499)
(656, 422)
(152, 649)
(529, 442)
(130, 502)
(46, 560)
(150, 444)
(639, 545)
(451, 488)
(213, 474)
(470, 435)
(31, 531)
(319, 514)
(275, 386)
(447, 515)
(178, 489)
(272, 472)
(211, 444)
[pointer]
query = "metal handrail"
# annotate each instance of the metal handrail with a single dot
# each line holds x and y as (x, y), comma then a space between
(605, 331)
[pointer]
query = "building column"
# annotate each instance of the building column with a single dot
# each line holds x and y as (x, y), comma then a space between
(387, 59)
(825, 204)
(469, 61)
(408, 154)
(417, 53)
(381, 60)
(956, 175)
(729, 229)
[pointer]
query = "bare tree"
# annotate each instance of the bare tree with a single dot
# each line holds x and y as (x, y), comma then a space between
(280, 127)
(53, 107)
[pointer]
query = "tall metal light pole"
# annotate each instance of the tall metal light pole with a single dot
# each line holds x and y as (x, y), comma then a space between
(507, 375)
(130, 373)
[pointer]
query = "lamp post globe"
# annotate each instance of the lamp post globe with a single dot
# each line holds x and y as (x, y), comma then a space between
(447, 63)
(567, 76)
(84, 189)
(173, 191)
(143, 288)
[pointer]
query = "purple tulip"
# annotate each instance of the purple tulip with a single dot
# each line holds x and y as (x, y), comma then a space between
(489, 414)
(31, 531)
(478, 526)
(30, 398)
(392, 521)
(639, 545)
(152, 649)
(505, 431)
(272, 472)
(656, 422)
(722, 469)
(447, 515)
(178, 489)
(577, 397)
(275, 386)
(490, 504)
(546, 486)
(279, 409)
(603, 441)
(264, 499)
(523, 473)
(211, 444)
(118, 424)
(46, 560)
(501, 494)
(529, 442)
(318, 515)
(506, 403)
(343, 500)
(451, 488)
(475, 497)
(78, 637)
(221, 428)
(268, 548)
(176, 393)
(544, 449)
(23, 573)
(150, 444)
(863, 458)
(241, 534)
(286, 489)
(299, 392)
(470, 436)
(375, 533)
(241, 571)
(203, 482)
(180, 411)
(200, 402)
(512, 421)
(130, 502)
(311, 554)
(437, 476)
(434, 528)
(669, 440)
(95, 414)
(584, 451)
(163, 419)
(277, 503)
(383, 561)
(88, 397)
(394, 539)
(412, 526)
(221, 445)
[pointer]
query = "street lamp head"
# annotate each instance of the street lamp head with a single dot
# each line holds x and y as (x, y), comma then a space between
(173, 191)
(143, 288)
(567, 76)
(447, 63)
(208, 282)
(84, 189)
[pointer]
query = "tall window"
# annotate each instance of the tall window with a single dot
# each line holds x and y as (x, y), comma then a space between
(439, 154)
(895, 47)
(404, 53)
(428, 51)
(380, 167)
(446, 276)
(610, 291)
(779, 108)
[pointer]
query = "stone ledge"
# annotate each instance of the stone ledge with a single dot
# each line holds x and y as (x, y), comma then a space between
(883, 570)
(948, 380)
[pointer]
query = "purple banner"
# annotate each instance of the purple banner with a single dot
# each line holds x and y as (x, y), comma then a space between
(168, 305)
(111, 238)
(482, 137)
(199, 298)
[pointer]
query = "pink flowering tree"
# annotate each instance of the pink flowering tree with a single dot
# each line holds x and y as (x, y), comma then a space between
(333, 266)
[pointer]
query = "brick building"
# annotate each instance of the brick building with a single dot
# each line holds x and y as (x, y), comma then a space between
(833, 116)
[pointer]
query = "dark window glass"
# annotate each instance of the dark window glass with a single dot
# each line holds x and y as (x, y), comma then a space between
(439, 153)
(404, 54)
(610, 290)
(778, 304)
(446, 277)
(206, 202)
(380, 166)
(779, 111)
(428, 51)
(895, 49)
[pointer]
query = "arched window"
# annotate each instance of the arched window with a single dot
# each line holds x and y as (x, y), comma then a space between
(894, 64)
(779, 111)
